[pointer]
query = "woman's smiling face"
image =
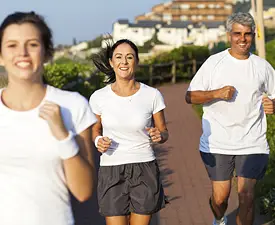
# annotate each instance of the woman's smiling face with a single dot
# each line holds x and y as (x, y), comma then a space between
(124, 61)
(22, 52)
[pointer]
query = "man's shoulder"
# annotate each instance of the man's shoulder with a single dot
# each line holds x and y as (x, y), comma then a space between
(219, 55)
(257, 59)
(215, 59)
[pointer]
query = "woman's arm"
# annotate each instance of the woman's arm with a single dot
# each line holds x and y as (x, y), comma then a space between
(97, 128)
(159, 133)
(76, 152)
(102, 143)
(80, 169)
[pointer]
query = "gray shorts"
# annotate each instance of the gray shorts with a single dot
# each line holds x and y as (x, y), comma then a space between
(221, 167)
(127, 188)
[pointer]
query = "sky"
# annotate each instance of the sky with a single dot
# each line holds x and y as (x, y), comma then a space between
(80, 19)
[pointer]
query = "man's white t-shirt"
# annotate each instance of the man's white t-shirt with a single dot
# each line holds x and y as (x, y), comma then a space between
(33, 188)
(124, 121)
(238, 126)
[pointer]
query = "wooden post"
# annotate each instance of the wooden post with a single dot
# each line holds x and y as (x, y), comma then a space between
(260, 33)
(151, 74)
(253, 7)
(173, 72)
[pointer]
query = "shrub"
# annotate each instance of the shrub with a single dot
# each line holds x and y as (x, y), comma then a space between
(270, 50)
(3, 81)
(73, 77)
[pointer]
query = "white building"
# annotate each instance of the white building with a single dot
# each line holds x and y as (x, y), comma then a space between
(174, 33)
(79, 47)
(268, 11)
(139, 32)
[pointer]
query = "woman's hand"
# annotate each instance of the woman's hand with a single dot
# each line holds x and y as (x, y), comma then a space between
(154, 134)
(52, 114)
(103, 144)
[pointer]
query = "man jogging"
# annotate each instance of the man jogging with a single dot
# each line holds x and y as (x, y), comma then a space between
(233, 86)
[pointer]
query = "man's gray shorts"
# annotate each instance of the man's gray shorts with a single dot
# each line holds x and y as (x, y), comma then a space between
(127, 188)
(221, 167)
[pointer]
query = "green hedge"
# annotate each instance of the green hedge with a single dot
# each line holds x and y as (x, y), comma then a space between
(3, 81)
(270, 52)
(82, 78)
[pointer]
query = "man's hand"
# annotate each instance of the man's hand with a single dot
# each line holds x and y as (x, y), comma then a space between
(268, 105)
(225, 93)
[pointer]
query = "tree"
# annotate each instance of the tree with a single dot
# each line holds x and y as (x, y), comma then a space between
(74, 41)
(96, 43)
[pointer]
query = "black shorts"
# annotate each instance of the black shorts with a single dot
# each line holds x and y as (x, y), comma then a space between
(127, 188)
(221, 167)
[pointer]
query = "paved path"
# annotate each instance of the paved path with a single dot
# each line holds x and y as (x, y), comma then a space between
(185, 178)
(183, 174)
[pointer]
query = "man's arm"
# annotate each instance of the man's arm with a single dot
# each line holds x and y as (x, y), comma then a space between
(201, 97)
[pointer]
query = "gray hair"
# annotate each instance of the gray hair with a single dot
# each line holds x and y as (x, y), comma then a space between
(242, 18)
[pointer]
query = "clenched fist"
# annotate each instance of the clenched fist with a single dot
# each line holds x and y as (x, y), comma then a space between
(103, 144)
(154, 134)
(51, 113)
(268, 105)
(226, 93)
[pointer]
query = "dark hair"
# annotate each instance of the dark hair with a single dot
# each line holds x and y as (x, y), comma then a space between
(101, 60)
(37, 21)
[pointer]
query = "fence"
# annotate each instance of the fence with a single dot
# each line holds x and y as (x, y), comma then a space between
(167, 72)
(150, 74)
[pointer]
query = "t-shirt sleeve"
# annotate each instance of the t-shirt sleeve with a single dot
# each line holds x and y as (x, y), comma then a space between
(158, 103)
(85, 117)
(201, 80)
(270, 80)
(94, 103)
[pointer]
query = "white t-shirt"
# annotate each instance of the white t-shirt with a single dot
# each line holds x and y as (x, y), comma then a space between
(124, 120)
(237, 126)
(33, 187)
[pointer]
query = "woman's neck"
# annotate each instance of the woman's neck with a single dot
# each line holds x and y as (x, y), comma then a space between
(23, 96)
(125, 87)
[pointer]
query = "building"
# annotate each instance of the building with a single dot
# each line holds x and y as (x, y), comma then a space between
(139, 32)
(269, 11)
(179, 33)
(174, 33)
(190, 10)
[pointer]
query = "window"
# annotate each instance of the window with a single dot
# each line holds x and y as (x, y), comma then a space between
(201, 6)
(200, 17)
(218, 6)
(146, 31)
(175, 6)
(193, 17)
(211, 6)
(228, 6)
(167, 17)
(122, 30)
(185, 6)
(183, 18)
(210, 17)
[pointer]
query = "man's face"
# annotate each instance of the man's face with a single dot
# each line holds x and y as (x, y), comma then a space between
(240, 38)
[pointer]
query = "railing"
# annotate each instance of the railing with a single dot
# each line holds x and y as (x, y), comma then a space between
(167, 72)
(150, 74)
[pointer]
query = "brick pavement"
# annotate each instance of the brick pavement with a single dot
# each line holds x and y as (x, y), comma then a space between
(183, 174)
(186, 182)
